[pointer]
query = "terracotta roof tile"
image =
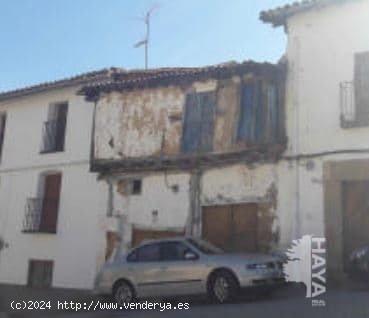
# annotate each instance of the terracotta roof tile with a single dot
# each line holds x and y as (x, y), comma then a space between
(70, 81)
(166, 76)
(279, 15)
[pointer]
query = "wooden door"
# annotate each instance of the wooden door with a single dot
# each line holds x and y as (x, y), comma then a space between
(355, 217)
(40, 273)
(231, 227)
(50, 203)
(216, 225)
(244, 227)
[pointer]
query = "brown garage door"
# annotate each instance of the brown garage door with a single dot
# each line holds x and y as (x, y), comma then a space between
(231, 227)
(355, 217)
(139, 235)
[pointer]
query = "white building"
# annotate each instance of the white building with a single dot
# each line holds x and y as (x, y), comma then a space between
(327, 108)
(256, 162)
(52, 209)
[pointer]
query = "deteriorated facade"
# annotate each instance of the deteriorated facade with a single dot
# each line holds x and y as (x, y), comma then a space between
(192, 151)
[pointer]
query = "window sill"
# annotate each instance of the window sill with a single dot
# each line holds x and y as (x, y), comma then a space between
(356, 123)
(43, 152)
(38, 232)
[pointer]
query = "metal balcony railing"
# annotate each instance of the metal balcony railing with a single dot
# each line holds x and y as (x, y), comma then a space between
(33, 214)
(347, 104)
(53, 136)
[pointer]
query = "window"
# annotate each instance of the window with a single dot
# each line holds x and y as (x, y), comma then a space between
(2, 131)
(40, 273)
(136, 186)
(133, 256)
(54, 128)
(42, 212)
(148, 253)
(199, 122)
(259, 112)
(354, 96)
(173, 251)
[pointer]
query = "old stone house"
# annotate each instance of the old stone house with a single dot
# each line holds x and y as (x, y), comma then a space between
(193, 151)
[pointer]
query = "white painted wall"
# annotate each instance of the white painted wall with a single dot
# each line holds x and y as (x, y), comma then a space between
(232, 184)
(137, 210)
(78, 247)
(320, 52)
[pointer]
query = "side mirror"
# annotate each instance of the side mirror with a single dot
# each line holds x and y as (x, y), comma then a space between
(190, 256)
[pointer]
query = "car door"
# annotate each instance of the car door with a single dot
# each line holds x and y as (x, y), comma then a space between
(178, 275)
(145, 267)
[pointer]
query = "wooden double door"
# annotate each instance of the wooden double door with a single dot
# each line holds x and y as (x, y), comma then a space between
(231, 227)
(355, 217)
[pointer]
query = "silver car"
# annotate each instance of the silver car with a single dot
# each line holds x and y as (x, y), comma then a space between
(186, 266)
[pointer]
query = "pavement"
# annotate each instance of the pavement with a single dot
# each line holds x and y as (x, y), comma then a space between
(287, 302)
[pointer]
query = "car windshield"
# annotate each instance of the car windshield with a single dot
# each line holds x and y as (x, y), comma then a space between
(204, 247)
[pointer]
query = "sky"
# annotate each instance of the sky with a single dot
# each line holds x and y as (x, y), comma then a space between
(43, 40)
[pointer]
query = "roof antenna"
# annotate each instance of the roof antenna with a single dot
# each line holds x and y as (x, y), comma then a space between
(145, 41)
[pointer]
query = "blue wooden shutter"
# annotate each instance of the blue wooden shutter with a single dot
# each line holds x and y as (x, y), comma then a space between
(247, 110)
(207, 121)
(272, 113)
(192, 124)
(259, 115)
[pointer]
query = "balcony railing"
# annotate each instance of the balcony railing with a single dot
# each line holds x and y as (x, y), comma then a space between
(32, 218)
(53, 136)
(347, 102)
(41, 215)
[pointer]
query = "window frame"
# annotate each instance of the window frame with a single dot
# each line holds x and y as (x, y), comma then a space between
(3, 122)
(58, 138)
(187, 249)
(137, 252)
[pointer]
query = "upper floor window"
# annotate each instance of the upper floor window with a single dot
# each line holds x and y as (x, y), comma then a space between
(198, 126)
(54, 128)
(2, 131)
(354, 96)
(259, 112)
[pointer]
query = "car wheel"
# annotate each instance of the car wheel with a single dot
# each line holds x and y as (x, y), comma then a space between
(123, 293)
(222, 287)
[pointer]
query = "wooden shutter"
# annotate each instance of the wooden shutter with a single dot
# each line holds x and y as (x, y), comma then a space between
(272, 113)
(61, 117)
(259, 114)
(361, 83)
(192, 124)
(50, 204)
(198, 127)
(207, 120)
(2, 131)
(247, 113)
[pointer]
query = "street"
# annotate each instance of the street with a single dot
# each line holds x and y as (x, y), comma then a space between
(290, 303)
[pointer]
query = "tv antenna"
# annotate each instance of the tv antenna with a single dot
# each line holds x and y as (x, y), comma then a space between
(146, 40)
